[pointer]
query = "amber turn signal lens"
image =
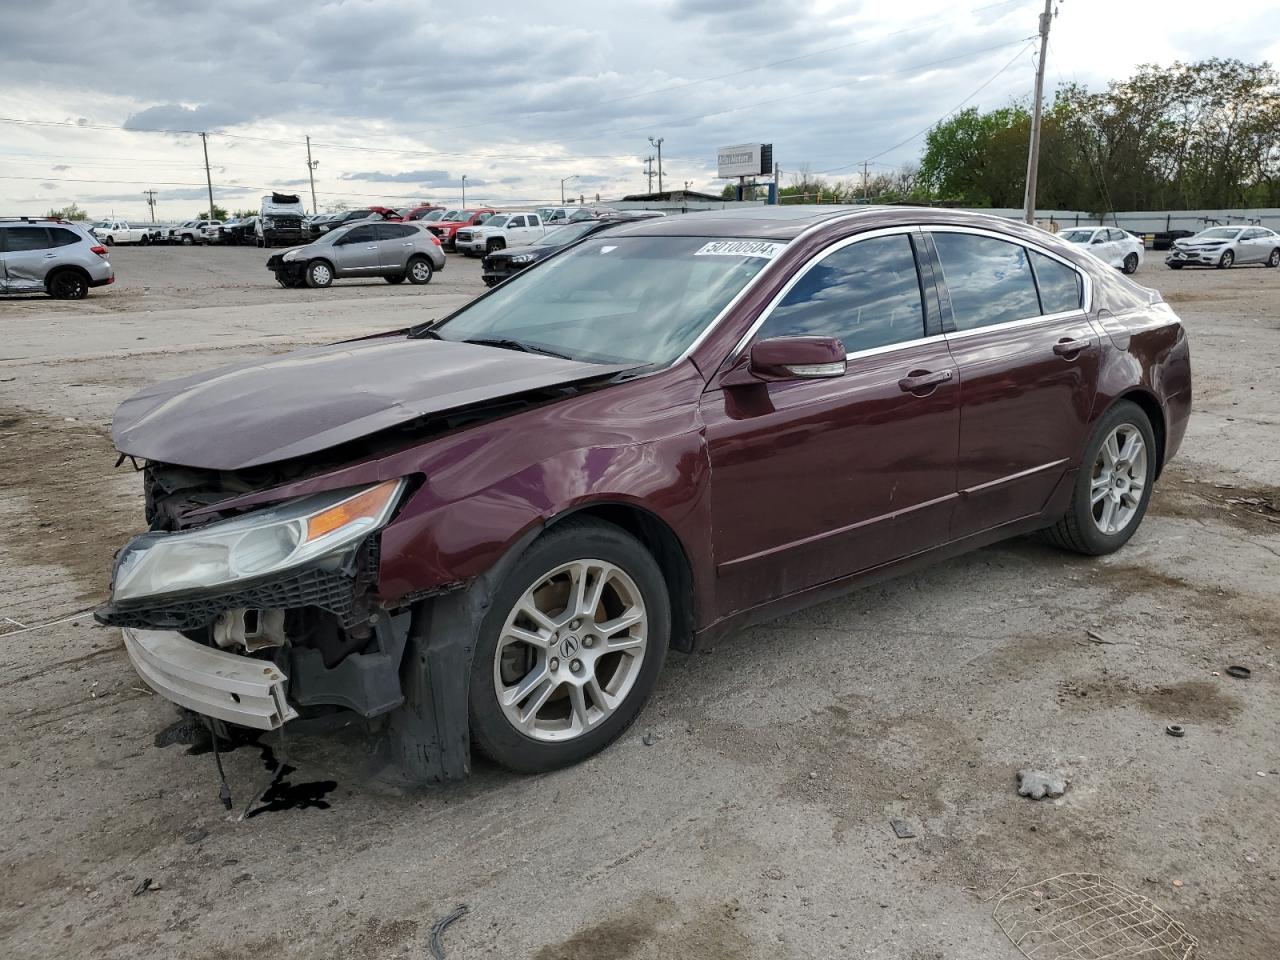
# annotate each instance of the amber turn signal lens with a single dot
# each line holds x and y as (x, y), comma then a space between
(367, 505)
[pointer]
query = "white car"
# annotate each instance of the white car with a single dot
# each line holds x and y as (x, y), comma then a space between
(500, 231)
(1111, 245)
(1224, 247)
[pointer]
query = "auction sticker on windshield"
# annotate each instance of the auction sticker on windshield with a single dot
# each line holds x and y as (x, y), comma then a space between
(741, 248)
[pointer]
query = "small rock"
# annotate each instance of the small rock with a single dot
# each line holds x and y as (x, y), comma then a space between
(1177, 883)
(813, 775)
(649, 739)
(155, 885)
(143, 886)
(1037, 784)
(196, 835)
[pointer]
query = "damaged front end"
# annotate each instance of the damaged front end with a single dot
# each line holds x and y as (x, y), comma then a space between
(251, 617)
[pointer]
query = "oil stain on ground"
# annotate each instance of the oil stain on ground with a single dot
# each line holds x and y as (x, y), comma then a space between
(655, 928)
(1198, 701)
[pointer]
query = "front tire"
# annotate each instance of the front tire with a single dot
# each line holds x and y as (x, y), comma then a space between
(1130, 265)
(1113, 485)
(570, 648)
(419, 270)
(1274, 259)
(319, 274)
(1228, 258)
(495, 244)
(187, 240)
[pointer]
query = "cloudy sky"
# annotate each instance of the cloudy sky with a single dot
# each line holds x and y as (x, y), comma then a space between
(401, 98)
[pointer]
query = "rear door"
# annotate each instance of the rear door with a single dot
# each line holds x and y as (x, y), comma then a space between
(27, 258)
(1254, 246)
(395, 244)
(1028, 363)
(814, 480)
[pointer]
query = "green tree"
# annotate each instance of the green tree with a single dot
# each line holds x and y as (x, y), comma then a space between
(70, 212)
(219, 213)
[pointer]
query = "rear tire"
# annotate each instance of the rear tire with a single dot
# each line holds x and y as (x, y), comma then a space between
(419, 270)
(608, 688)
(1130, 264)
(319, 275)
(1113, 485)
(1228, 258)
(68, 285)
(1274, 259)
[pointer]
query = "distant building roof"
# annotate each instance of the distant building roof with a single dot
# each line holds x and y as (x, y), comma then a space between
(671, 196)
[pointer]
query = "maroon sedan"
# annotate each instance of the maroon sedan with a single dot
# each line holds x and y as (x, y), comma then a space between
(491, 529)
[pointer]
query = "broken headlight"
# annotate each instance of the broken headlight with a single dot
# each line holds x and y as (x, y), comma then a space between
(254, 545)
(523, 258)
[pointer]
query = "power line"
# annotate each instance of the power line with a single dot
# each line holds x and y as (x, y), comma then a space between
(902, 143)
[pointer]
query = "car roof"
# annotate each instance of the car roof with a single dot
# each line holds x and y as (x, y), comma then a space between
(783, 222)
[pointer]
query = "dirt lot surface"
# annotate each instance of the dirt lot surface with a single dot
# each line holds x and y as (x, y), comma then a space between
(756, 822)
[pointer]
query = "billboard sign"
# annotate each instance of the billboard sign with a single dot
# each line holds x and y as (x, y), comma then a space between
(745, 160)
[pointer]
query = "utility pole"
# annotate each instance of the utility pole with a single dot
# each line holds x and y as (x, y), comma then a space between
(311, 172)
(464, 191)
(204, 139)
(1033, 153)
(562, 183)
(648, 170)
(865, 195)
(658, 143)
(151, 202)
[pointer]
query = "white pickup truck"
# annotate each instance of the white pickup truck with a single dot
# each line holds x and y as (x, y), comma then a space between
(119, 231)
(500, 231)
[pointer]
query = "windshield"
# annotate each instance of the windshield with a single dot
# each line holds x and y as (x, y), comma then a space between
(420, 214)
(562, 235)
(545, 212)
(1077, 236)
(497, 221)
(1218, 233)
(453, 215)
(640, 300)
(434, 215)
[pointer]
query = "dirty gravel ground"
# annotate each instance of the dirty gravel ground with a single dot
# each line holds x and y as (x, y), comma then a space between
(757, 824)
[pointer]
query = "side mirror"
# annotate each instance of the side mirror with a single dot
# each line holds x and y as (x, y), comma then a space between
(789, 358)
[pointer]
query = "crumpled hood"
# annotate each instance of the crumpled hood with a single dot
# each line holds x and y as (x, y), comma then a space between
(312, 399)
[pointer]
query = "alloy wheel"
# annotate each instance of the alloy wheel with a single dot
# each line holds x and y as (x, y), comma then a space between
(1274, 259)
(1119, 479)
(421, 271)
(571, 650)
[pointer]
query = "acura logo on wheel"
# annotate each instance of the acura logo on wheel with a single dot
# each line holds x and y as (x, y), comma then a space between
(568, 647)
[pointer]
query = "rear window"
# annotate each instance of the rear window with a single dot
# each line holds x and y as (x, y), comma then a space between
(989, 280)
(62, 237)
(1061, 289)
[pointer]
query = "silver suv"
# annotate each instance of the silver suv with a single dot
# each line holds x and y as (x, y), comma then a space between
(369, 248)
(57, 257)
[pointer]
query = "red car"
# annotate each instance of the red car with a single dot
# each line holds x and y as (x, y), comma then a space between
(491, 529)
(419, 212)
(447, 228)
(387, 213)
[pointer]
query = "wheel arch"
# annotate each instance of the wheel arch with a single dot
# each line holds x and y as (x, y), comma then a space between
(66, 268)
(1149, 404)
(666, 548)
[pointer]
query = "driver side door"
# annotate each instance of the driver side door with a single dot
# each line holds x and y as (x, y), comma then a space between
(813, 480)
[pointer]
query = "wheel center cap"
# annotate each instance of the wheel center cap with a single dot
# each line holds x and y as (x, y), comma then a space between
(569, 647)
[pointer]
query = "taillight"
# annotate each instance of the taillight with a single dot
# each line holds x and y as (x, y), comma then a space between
(99, 250)
(435, 240)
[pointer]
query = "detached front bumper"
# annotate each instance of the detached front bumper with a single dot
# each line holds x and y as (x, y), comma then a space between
(241, 690)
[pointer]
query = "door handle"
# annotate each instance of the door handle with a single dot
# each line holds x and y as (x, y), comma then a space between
(922, 380)
(1069, 348)
(374, 247)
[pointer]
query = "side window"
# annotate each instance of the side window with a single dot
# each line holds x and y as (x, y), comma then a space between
(867, 294)
(534, 221)
(27, 238)
(62, 237)
(363, 234)
(1061, 289)
(516, 222)
(394, 231)
(989, 280)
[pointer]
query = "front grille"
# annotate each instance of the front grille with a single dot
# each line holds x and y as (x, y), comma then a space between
(329, 590)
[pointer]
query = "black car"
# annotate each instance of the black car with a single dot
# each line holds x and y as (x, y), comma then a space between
(500, 264)
(237, 231)
(318, 229)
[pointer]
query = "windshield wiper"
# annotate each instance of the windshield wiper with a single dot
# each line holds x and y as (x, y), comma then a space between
(506, 343)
